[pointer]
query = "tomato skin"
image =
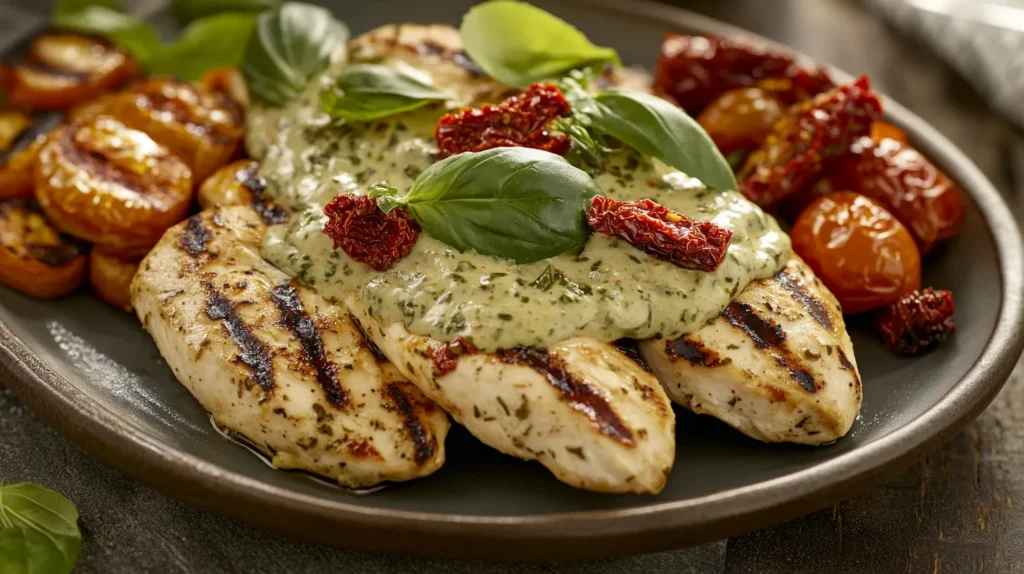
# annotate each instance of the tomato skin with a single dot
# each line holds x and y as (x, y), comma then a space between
(741, 119)
(882, 130)
(34, 258)
(12, 124)
(202, 127)
(111, 278)
(863, 254)
(65, 69)
(898, 177)
(228, 81)
(17, 173)
(111, 185)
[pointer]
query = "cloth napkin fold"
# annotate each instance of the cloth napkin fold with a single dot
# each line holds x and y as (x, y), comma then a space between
(982, 39)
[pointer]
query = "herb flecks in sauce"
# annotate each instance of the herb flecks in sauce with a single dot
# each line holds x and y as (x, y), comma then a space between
(609, 290)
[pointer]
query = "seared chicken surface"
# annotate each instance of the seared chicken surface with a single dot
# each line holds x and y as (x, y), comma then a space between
(591, 415)
(777, 365)
(275, 362)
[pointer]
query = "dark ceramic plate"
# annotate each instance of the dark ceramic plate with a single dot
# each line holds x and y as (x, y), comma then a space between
(94, 374)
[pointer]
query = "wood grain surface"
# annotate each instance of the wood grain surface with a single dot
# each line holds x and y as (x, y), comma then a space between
(960, 510)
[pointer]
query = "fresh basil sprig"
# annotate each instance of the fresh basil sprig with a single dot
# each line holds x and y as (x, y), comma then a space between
(189, 10)
(214, 41)
(366, 92)
(515, 203)
(518, 44)
(291, 44)
(38, 530)
(106, 19)
(657, 128)
(207, 43)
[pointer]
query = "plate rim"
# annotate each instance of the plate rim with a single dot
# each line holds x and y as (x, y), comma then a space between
(563, 535)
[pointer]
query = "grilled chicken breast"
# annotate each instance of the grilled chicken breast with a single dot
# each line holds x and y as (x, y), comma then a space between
(778, 363)
(594, 417)
(273, 361)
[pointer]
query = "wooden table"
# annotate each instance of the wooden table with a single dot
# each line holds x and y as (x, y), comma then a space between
(961, 510)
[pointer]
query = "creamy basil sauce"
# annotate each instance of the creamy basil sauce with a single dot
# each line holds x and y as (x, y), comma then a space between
(607, 291)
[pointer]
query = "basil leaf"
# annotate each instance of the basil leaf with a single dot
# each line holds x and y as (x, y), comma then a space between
(208, 43)
(511, 202)
(291, 44)
(188, 10)
(38, 531)
(657, 128)
(366, 92)
(134, 35)
(518, 44)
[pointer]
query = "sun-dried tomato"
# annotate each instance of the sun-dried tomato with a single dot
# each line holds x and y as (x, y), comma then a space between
(519, 121)
(661, 232)
(694, 70)
(814, 135)
(367, 234)
(897, 176)
(446, 355)
(917, 322)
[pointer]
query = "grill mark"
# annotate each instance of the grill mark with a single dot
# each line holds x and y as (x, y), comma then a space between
(848, 366)
(374, 349)
(693, 351)
(95, 162)
(270, 212)
(161, 103)
(813, 305)
(769, 335)
(195, 236)
(580, 396)
(462, 60)
(765, 333)
(298, 323)
(631, 349)
(254, 352)
(426, 445)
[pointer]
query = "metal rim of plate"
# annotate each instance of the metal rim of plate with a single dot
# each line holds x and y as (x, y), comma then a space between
(575, 535)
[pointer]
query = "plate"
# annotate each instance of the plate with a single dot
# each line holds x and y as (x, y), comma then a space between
(94, 374)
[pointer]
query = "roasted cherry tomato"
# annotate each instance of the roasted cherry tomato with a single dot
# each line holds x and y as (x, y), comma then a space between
(111, 185)
(89, 109)
(882, 130)
(741, 119)
(863, 254)
(111, 278)
(17, 174)
(694, 70)
(12, 124)
(230, 185)
(34, 257)
(238, 183)
(202, 127)
(64, 69)
(902, 180)
(227, 81)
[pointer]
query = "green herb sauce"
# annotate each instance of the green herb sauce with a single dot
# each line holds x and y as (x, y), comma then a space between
(607, 291)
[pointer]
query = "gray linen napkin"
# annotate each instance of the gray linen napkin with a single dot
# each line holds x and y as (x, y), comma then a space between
(982, 39)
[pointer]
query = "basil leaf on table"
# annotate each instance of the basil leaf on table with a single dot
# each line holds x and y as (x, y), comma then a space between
(291, 44)
(657, 128)
(511, 202)
(366, 92)
(208, 43)
(188, 10)
(518, 44)
(104, 19)
(38, 531)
